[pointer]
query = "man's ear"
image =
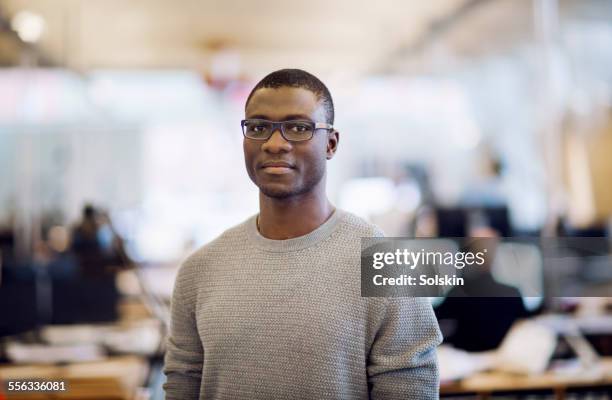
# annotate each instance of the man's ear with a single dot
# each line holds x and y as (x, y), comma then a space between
(333, 138)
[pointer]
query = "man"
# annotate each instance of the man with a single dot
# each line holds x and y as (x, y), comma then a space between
(481, 312)
(272, 308)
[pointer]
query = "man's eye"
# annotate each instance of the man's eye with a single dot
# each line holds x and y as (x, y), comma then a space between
(300, 128)
(258, 128)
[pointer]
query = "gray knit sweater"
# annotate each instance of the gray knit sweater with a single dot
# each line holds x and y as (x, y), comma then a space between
(255, 318)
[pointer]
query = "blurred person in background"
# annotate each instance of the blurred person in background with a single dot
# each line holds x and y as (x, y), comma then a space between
(487, 189)
(60, 261)
(272, 309)
(97, 245)
(477, 315)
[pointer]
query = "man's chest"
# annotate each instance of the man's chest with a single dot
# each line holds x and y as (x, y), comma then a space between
(267, 304)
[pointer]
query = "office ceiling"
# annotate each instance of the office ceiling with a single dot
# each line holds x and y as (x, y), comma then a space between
(320, 35)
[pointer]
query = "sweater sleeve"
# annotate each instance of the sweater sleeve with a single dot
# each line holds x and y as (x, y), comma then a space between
(184, 353)
(402, 363)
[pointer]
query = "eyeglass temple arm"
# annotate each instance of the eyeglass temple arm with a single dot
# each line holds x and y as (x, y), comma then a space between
(323, 125)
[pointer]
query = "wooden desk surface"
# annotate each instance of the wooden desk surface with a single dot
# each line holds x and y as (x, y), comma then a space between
(112, 379)
(488, 382)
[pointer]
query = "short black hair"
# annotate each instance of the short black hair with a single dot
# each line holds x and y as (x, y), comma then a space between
(89, 211)
(299, 79)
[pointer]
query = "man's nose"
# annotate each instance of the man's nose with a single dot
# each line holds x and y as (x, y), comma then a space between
(276, 143)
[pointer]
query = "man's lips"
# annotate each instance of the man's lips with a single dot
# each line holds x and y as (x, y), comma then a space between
(276, 164)
(276, 167)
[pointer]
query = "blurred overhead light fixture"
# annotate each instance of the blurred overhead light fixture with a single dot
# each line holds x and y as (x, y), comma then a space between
(28, 25)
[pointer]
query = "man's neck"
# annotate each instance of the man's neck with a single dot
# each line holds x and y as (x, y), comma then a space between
(282, 219)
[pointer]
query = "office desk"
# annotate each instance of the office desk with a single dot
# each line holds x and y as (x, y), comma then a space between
(485, 384)
(116, 378)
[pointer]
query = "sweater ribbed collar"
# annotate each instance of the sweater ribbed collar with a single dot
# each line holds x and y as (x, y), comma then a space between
(294, 244)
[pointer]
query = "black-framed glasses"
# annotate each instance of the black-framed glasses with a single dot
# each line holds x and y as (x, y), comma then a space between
(292, 131)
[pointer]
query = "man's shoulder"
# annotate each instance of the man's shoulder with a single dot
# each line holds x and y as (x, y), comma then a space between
(231, 239)
(359, 226)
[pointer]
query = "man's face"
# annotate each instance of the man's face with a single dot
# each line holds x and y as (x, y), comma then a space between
(282, 169)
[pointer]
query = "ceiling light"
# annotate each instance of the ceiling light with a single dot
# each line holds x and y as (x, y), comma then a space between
(29, 26)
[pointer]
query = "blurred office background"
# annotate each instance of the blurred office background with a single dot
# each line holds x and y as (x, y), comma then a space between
(120, 145)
